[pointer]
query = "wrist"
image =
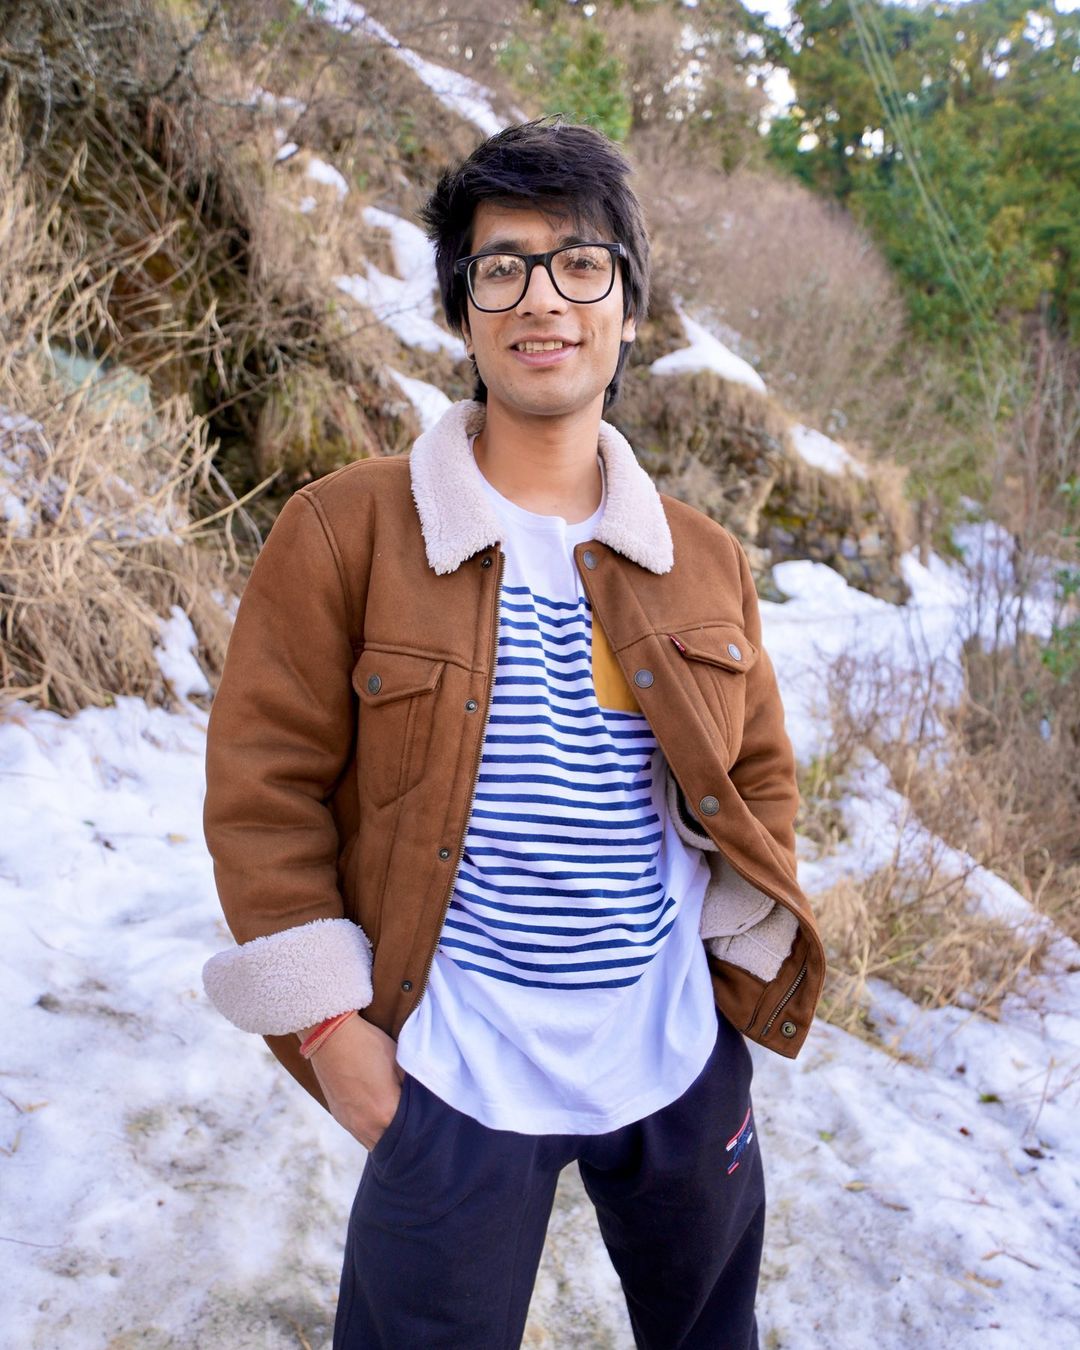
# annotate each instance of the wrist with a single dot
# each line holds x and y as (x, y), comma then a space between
(311, 1038)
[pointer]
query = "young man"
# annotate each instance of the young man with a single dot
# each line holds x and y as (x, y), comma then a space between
(498, 770)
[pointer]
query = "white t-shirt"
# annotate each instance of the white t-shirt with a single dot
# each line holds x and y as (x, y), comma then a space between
(570, 991)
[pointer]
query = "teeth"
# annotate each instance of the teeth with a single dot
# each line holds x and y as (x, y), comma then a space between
(540, 346)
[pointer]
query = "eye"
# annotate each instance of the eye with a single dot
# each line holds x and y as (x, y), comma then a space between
(498, 267)
(584, 260)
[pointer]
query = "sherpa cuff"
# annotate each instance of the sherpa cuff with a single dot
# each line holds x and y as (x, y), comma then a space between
(290, 980)
(761, 949)
(739, 923)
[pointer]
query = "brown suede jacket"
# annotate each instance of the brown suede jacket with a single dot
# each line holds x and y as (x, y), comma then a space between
(345, 738)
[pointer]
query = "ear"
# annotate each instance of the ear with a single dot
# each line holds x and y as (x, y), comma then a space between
(466, 337)
(629, 328)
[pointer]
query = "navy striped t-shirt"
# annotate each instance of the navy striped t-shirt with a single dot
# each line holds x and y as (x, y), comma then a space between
(570, 990)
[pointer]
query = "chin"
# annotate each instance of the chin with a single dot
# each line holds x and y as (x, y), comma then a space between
(549, 403)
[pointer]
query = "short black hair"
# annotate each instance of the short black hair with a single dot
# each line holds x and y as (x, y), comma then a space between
(557, 167)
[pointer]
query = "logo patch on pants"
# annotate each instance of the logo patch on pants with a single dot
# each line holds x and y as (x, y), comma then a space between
(740, 1141)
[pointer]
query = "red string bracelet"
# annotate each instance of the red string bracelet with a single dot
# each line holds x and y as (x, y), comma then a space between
(322, 1032)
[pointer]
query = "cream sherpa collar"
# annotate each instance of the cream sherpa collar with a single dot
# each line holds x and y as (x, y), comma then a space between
(457, 519)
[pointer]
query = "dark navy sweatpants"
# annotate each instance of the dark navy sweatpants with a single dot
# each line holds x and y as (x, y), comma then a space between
(449, 1220)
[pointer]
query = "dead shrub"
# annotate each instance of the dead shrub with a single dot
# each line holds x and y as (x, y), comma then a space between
(916, 921)
(207, 280)
(712, 442)
(96, 486)
(787, 279)
(913, 925)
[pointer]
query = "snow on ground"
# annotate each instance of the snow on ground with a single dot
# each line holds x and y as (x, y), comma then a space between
(823, 452)
(320, 172)
(455, 91)
(163, 1182)
(824, 617)
(31, 490)
(706, 352)
(430, 403)
(405, 303)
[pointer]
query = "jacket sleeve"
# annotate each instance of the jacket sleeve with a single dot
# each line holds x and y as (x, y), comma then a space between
(280, 734)
(739, 923)
(764, 770)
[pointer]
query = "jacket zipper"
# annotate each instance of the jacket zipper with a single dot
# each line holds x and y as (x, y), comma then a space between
(776, 899)
(493, 654)
(784, 1001)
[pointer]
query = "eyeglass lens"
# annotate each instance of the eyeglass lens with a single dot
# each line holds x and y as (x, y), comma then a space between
(580, 273)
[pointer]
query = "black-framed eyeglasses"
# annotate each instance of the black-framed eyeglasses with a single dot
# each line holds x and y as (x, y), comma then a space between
(581, 273)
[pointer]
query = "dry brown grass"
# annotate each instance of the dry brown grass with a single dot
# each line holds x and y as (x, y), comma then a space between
(916, 921)
(914, 926)
(97, 487)
(149, 228)
(807, 297)
(211, 283)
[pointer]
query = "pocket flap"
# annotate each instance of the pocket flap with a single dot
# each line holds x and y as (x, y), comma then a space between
(382, 677)
(723, 645)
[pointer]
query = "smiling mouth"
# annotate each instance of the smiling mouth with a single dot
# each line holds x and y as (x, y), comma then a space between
(554, 345)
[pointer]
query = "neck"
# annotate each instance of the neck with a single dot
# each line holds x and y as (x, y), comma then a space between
(543, 464)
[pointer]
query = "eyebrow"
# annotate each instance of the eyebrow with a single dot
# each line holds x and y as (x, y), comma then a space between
(505, 245)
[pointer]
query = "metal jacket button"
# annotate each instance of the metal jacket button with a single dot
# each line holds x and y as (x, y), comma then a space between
(374, 684)
(485, 561)
(444, 853)
(788, 1029)
(589, 559)
(471, 705)
(406, 985)
(708, 806)
(734, 652)
(643, 678)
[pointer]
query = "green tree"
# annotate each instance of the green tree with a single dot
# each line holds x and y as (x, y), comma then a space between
(572, 72)
(953, 132)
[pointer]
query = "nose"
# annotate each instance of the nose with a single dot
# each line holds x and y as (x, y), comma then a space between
(540, 296)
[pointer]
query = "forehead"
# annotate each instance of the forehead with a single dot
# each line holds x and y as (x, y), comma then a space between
(531, 229)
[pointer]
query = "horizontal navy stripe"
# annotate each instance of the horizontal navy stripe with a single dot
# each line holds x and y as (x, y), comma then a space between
(542, 600)
(598, 752)
(511, 657)
(584, 725)
(581, 930)
(543, 642)
(534, 662)
(535, 799)
(621, 771)
(576, 606)
(567, 968)
(640, 958)
(549, 984)
(476, 849)
(485, 832)
(585, 891)
(530, 818)
(539, 697)
(568, 784)
(573, 874)
(542, 623)
(566, 911)
(593, 938)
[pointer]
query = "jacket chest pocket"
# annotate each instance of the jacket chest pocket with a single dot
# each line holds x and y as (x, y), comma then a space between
(397, 711)
(718, 658)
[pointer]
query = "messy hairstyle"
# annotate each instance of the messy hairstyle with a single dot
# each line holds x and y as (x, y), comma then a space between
(556, 167)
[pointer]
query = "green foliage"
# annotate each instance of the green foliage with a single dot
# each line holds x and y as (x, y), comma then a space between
(1061, 655)
(783, 139)
(953, 133)
(572, 72)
